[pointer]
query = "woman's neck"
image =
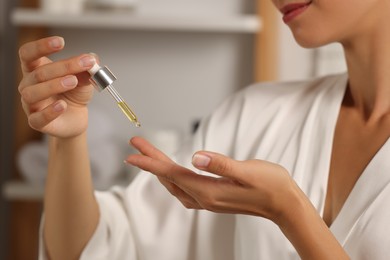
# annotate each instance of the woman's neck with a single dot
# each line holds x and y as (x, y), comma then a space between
(368, 62)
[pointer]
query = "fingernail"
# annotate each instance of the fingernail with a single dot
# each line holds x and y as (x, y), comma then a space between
(57, 42)
(201, 160)
(58, 107)
(69, 81)
(87, 61)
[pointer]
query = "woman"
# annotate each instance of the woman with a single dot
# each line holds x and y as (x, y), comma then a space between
(283, 170)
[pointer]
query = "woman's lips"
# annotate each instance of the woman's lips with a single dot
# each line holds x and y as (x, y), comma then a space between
(290, 11)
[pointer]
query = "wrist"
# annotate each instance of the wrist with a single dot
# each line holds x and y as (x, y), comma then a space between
(304, 228)
(60, 143)
(66, 139)
(291, 203)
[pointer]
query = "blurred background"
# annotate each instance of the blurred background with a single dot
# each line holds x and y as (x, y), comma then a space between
(175, 61)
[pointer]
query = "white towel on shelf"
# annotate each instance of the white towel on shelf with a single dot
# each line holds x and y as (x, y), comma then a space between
(105, 153)
(32, 162)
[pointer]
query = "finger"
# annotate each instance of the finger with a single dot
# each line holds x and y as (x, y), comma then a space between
(187, 180)
(158, 167)
(218, 164)
(62, 68)
(32, 54)
(40, 119)
(146, 148)
(84, 79)
(187, 200)
(41, 91)
(171, 176)
(149, 150)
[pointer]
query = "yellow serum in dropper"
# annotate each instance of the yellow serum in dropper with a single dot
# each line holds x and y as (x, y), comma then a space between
(102, 78)
(130, 114)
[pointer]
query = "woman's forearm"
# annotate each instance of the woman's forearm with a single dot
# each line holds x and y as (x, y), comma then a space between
(70, 209)
(309, 234)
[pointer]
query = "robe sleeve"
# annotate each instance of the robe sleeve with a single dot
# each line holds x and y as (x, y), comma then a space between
(112, 237)
(144, 221)
(369, 237)
(138, 222)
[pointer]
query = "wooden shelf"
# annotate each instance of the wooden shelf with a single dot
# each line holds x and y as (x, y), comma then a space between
(24, 191)
(133, 21)
(19, 190)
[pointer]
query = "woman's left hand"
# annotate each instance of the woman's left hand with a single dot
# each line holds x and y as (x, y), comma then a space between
(252, 187)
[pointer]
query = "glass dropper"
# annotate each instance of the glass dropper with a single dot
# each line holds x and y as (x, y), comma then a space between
(102, 78)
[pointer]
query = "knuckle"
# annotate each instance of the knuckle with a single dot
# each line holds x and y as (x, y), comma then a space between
(213, 202)
(22, 52)
(26, 96)
(74, 64)
(20, 88)
(68, 66)
(174, 190)
(46, 117)
(170, 179)
(209, 203)
(171, 168)
(25, 107)
(54, 86)
(223, 167)
(32, 123)
(39, 75)
(190, 204)
(187, 204)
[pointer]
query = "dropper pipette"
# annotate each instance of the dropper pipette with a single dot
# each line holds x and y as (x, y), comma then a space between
(102, 78)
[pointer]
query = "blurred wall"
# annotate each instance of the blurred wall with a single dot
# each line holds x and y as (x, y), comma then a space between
(170, 79)
(297, 63)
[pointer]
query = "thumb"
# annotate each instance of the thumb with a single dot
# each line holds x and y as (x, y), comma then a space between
(216, 163)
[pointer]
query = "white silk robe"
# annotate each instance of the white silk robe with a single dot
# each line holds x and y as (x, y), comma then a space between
(291, 124)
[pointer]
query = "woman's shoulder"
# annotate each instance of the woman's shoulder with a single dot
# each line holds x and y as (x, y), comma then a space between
(254, 109)
(285, 89)
(277, 96)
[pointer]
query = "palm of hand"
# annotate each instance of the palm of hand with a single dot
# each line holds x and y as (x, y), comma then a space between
(73, 117)
(74, 120)
(251, 187)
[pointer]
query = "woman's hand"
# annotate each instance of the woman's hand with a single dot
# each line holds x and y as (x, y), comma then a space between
(252, 187)
(55, 95)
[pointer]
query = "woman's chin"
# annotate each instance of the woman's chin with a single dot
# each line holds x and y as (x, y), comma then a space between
(311, 43)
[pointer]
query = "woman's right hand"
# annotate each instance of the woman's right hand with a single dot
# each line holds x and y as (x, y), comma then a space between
(55, 95)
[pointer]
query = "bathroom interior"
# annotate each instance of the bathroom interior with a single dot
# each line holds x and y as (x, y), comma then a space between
(174, 61)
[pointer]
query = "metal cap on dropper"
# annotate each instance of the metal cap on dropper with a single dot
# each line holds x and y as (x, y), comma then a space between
(101, 77)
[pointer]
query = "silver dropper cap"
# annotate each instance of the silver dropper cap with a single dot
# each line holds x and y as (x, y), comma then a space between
(102, 78)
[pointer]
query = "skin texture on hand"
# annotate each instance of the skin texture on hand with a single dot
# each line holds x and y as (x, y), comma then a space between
(55, 95)
(252, 187)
